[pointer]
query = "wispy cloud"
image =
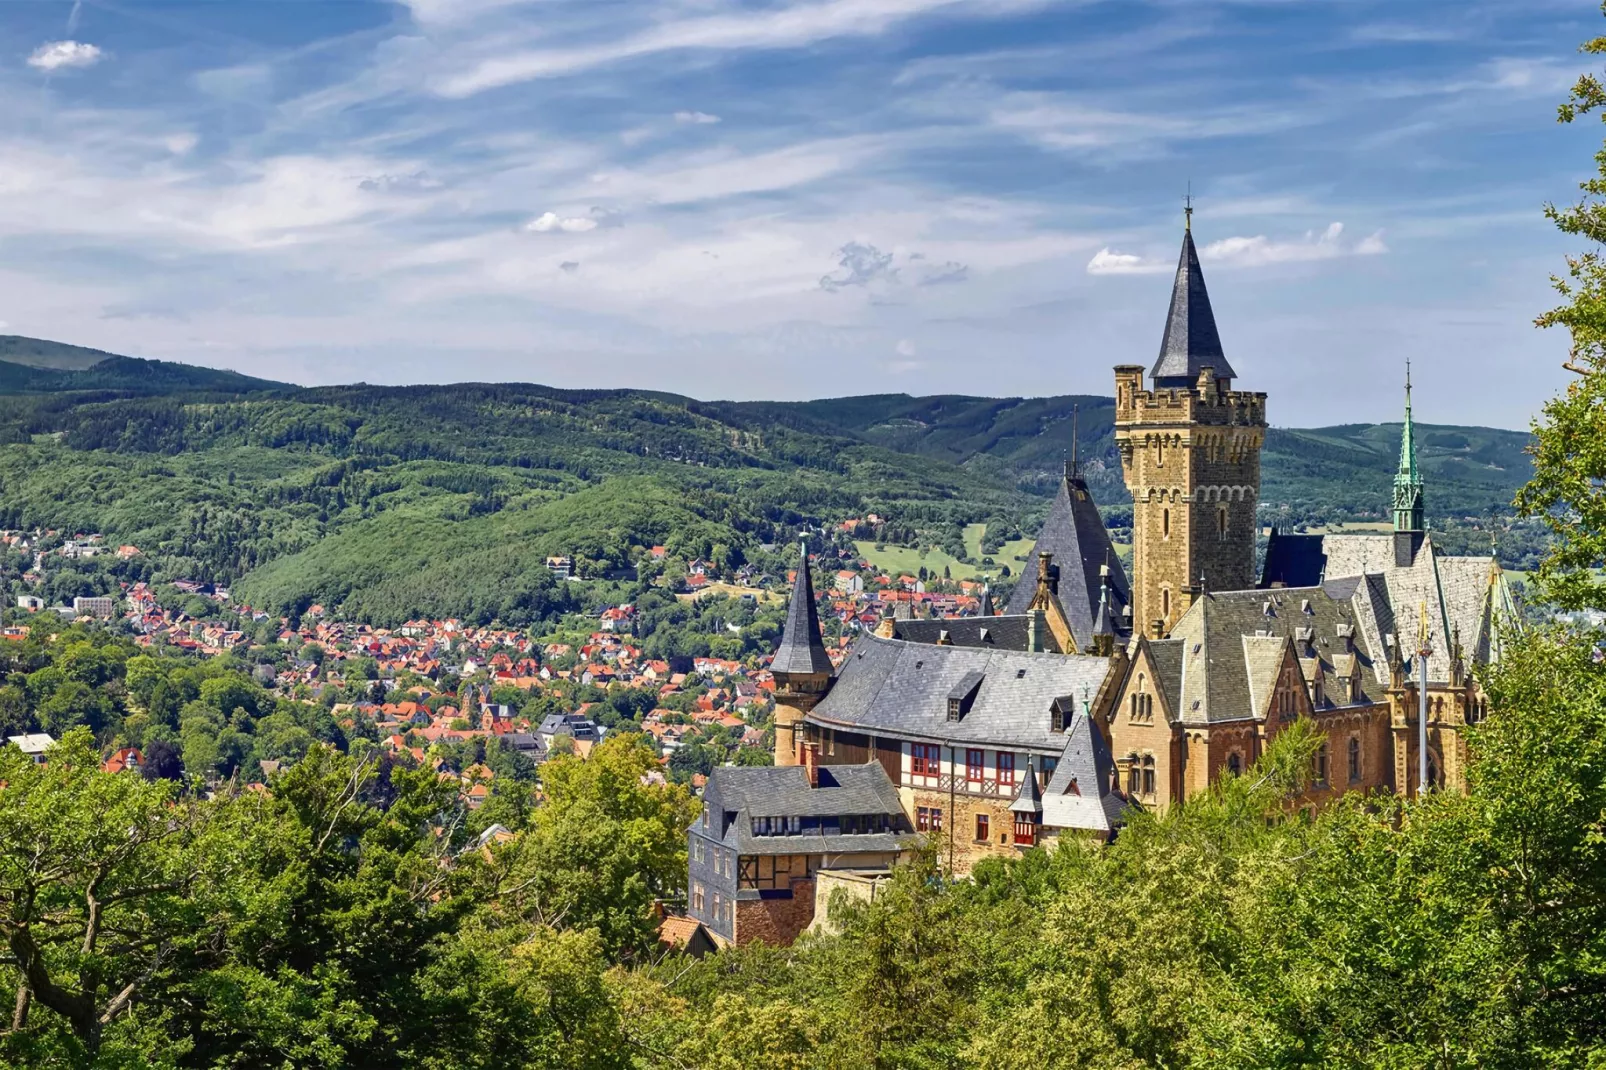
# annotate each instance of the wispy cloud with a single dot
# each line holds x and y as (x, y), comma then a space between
(1260, 250)
(1255, 251)
(58, 55)
(790, 26)
(701, 118)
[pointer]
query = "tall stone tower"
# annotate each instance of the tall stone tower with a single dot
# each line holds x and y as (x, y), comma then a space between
(1190, 455)
(802, 668)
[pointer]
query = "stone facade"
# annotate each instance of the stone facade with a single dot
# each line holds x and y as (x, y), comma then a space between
(776, 921)
(1191, 458)
(798, 694)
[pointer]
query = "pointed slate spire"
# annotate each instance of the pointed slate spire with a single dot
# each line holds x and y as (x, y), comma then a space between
(802, 648)
(1191, 342)
(1408, 506)
(1029, 799)
(1078, 543)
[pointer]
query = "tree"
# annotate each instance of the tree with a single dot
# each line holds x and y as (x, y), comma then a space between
(1568, 489)
(603, 849)
(163, 761)
(95, 872)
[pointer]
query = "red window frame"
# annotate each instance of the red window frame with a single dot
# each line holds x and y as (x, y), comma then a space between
(982, 828)
(925, 759)
(975, 765)
(1025, 831)
(1006, 769)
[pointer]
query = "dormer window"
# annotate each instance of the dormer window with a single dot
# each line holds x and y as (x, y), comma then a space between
(963, 694)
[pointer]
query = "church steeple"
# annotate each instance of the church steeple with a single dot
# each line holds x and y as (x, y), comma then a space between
(1408, 480)
(1191, 342)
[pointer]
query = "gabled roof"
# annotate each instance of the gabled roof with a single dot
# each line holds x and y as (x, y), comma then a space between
(1230, 645)
(986, 633)
(892, 688)
(1075, 535)
(802, 649)
(1191, 342)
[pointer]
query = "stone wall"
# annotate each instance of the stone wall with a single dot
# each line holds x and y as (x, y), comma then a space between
(775, 921)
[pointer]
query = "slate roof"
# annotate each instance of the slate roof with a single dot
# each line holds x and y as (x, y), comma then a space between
(1028, 797)
(1075, 534)
(1191, 342)
(1081, 792)
(746, 792)
(1230, 645)
(802, 649)
(893, 688)
(1463, 595)
(987, 633)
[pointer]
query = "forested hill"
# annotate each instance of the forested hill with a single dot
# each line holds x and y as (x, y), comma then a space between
(1328, 471)
(391, 502)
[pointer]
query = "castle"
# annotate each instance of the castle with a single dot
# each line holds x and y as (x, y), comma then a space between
(1091, 694)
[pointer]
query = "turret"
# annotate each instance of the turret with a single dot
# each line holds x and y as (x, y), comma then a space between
(801, 667)
(1190, 455)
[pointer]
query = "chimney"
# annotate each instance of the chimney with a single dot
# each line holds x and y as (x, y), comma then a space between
(811, 762)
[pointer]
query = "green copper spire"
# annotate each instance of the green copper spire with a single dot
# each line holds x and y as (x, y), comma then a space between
(1408, 481)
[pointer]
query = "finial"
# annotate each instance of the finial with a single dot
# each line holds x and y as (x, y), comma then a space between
(1187, 208)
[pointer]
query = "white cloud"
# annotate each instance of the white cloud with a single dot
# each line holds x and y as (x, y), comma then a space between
(548, 222)
(698, 117)
(1371, 245)
(792, 26)
(904, 348)
(59, 54)
(180, 144)
(1109, 262)
(1261, 249)
(1246, 252)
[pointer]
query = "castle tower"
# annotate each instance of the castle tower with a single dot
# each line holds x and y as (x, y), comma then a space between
(1410, 526)
(1190, 455)
(801, 666)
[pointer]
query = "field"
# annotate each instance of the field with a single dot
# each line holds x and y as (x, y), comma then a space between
(896, 560)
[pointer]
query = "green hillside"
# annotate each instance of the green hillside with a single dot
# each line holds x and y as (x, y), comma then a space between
(56, 356)
(388, 503)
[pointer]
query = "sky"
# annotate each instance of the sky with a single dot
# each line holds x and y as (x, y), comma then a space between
(801, 198)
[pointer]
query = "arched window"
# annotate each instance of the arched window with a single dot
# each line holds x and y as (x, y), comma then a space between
(1321, 763)
(1235, 764)
(1165, 523)
(1134, 773)
(1165, 602)
(1354, 760)
(1221, 521)
(1148, 775)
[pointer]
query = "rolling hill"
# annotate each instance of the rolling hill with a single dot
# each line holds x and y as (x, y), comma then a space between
(390, 502)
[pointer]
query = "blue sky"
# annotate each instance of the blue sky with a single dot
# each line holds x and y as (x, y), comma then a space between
(799, 198)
